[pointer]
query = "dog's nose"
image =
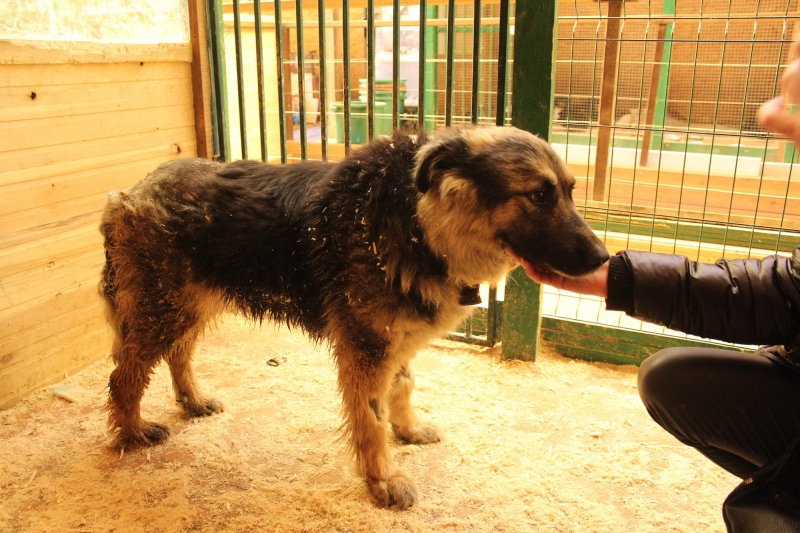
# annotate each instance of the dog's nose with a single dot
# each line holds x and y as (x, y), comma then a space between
(602, 257)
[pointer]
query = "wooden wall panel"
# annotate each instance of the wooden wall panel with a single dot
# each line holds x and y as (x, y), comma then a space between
(73, 129)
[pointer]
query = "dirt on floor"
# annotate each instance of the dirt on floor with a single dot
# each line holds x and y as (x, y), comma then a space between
(557, 445)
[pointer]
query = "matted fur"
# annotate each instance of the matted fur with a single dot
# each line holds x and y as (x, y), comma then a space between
(370, 254)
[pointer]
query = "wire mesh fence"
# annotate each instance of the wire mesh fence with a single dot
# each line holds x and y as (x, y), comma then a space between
(655, 113)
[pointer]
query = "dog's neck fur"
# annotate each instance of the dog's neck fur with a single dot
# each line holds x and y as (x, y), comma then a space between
(473, 257)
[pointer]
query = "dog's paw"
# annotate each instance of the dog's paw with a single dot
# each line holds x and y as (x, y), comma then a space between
(205, 407)
(148, 434)
(398, 491)
(419, 434)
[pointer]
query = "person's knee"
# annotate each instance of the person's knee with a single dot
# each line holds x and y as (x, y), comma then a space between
(659, 374)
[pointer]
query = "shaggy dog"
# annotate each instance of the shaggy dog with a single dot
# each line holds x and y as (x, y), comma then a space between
(375, 255)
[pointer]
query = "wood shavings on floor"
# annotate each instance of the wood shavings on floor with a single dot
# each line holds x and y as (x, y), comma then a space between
(556, 446)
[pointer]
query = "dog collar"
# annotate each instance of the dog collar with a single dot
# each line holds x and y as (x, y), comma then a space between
(470, 295)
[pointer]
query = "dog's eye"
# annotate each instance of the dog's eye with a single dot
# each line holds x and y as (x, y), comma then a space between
(538, 197)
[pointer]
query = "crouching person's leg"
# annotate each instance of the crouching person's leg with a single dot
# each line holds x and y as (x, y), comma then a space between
(739, 410)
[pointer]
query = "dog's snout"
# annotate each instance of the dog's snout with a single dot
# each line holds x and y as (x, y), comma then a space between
(602, 257)
(598, 255)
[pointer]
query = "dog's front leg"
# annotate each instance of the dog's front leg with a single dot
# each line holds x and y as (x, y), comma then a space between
(404, 420)
(364, 383)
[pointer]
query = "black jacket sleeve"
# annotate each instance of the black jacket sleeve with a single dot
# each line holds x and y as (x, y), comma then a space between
(747, 301)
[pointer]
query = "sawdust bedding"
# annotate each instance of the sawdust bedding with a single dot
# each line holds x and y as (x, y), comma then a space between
(556, 446)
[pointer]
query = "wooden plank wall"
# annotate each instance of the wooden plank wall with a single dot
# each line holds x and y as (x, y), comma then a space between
(76, 120)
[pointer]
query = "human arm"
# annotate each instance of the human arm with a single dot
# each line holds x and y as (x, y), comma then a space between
(748, 301)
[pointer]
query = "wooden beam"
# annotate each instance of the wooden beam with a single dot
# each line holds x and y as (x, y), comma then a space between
(652, 97)
(18, 52)
(201, 83)
(289, 6)
(266, 22)
(608, 98)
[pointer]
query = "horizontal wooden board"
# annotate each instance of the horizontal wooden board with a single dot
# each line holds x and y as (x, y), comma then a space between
(81, 163)
(43, 75)
(289, 6)
(33, 223)
(30, 103)
(58, 225)
(20, 135)
(17, 319)
(666, 195)
(80, 270)
(17, 351)
(608, 344)
(38, 253)
(703, 252)
(53, 366)
(36, 193)
(40, 52)
(36, 159)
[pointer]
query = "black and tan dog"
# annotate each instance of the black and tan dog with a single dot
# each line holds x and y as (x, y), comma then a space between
(373, 254)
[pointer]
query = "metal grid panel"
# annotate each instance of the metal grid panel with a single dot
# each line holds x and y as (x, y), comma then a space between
(689, 171)
(326, 79)
(349, 53)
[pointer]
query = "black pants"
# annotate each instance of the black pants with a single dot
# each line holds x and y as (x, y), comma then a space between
(737, 409)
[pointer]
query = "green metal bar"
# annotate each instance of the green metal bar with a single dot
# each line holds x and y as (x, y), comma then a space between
(237, 29)
(281, 86)
(395, 64)
(663, 85)
(301, 81)
(323, 82)
(502, 64)
(219, 91)
(476, 60)
(423, 16)
(370, 69)
(448, 82)
(534, 76)
(346, 71)
(262, 119)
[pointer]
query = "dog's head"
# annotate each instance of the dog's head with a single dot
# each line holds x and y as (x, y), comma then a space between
(492, 189)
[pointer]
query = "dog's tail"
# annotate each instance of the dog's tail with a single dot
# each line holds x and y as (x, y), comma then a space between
(111, 217)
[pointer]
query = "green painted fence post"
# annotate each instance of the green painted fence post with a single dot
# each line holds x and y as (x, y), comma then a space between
(660, 118)
(534, 75)
(219, 89)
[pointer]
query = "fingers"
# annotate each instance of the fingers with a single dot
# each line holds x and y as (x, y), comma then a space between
(775, 117)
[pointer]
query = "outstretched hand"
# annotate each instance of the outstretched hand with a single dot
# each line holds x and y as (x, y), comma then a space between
(594, 284)
(776, 114)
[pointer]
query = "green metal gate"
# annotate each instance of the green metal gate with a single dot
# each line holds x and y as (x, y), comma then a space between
(608, 83)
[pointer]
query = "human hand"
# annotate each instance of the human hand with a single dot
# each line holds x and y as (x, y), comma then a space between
(775, 115)
(594, 284)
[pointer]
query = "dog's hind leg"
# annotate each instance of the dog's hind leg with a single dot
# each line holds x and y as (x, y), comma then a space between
(404, 420)
(364, 381)
(126, 387)
(187, 392)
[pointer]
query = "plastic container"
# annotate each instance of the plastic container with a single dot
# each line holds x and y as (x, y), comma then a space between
(384, 95)
(358, 121)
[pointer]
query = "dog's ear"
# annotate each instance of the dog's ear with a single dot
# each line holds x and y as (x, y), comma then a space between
(448, 151)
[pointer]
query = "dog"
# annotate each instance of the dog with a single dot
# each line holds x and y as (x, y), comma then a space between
(374, 255)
